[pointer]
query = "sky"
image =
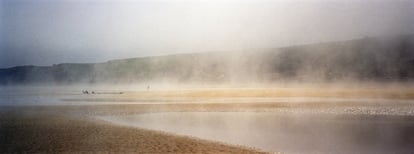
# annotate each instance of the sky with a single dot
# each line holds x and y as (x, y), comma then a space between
(46, 32)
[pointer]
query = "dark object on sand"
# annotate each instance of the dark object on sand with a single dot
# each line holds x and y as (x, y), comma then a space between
(93, 92)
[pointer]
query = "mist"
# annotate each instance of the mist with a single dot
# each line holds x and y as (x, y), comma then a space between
(51, 32)
(381, 59)
(197, 76)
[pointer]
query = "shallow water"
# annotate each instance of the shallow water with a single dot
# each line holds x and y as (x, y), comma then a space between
(369, 125)
(291, 133)
(74, 96)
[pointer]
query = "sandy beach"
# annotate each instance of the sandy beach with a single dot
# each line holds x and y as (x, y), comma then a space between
(239, 121)
(48, 129)
(207, 76)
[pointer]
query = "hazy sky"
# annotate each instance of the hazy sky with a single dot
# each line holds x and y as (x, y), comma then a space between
(44, 32)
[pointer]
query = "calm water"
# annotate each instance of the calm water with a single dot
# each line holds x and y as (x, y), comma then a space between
(292, 133)
(352, 129)
(73, 96)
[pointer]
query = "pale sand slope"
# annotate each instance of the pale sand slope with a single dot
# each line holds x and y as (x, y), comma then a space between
(50, 129)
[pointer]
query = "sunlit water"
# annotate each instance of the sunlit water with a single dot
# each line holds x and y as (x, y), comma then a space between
(73, 96)
(291, 133)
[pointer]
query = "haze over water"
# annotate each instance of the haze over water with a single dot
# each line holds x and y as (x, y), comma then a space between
(294, 76)
(46, 32)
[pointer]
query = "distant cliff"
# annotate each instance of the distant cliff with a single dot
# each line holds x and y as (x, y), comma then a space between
(379, 59)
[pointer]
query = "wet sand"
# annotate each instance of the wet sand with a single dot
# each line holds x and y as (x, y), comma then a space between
(49, 129)
(70, 124)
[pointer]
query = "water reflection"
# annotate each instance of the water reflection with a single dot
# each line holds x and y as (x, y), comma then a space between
(292, 133)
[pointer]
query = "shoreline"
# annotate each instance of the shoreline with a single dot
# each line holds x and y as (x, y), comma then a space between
(69, 126)
(34, 130)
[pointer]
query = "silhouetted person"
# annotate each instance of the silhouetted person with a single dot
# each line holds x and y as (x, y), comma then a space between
(148, 87)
